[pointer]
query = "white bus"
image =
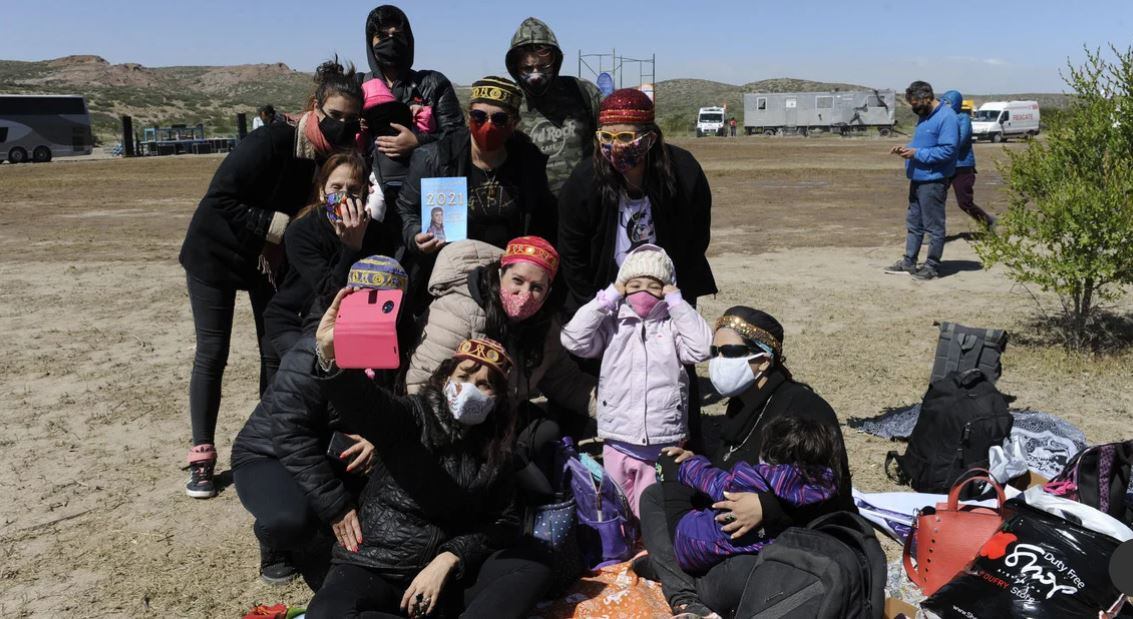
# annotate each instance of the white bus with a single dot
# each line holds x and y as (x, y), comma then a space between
(40, 127)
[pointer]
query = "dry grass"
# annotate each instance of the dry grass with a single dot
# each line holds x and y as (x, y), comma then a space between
(94, 310)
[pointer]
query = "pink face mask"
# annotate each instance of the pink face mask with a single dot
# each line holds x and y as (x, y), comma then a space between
(642, 302)
(519, 306)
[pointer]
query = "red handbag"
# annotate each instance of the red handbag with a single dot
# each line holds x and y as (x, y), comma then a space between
(949, 537)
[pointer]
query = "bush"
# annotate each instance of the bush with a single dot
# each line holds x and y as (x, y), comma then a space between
(1069, 226)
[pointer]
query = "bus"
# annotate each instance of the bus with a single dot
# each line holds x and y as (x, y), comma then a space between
(41, 127)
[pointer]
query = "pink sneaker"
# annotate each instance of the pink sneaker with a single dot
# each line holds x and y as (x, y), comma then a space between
(202, 461)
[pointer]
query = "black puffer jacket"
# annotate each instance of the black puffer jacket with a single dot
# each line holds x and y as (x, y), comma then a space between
(411, 87)
(263, 175)
(293, 423)
(430, 492)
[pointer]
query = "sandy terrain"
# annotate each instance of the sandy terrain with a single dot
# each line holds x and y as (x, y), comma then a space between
(99, 341)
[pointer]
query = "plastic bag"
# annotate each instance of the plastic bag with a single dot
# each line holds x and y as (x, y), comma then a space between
(1037, 566)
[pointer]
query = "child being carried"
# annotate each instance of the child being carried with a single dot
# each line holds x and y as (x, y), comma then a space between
(799, 465)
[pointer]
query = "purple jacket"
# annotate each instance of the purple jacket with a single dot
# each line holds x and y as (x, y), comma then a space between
(643, 387)
(698, 541)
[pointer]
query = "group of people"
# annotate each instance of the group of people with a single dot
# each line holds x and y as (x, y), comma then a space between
(938, 157)
(402, 491)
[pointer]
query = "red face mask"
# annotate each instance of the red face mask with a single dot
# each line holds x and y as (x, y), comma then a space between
(488, 135)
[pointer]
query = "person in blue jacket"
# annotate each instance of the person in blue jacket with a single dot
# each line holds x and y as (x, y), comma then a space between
(930, 161)
(965, 178)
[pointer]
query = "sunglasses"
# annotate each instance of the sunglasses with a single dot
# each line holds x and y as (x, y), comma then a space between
(499, 119)
(622, 137)
(734, 351)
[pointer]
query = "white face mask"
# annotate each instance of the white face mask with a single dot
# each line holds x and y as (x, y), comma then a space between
(732, 375)
(468, 404)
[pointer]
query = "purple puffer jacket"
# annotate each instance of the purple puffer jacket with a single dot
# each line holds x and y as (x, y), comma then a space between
(643, 388)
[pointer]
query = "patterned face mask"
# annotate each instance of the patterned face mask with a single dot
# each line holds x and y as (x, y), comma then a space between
(625, 156)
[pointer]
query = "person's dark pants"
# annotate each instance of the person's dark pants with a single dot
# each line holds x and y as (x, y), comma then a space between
(926, 216)
(284, 520)
(963, 184)
(212, 319)
(720, 588)
(508, 584)
(536, 479)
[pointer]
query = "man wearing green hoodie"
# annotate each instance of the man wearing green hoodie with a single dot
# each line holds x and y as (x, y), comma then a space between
(559, 113)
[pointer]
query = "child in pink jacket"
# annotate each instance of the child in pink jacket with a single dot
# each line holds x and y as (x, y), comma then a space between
(645, 334)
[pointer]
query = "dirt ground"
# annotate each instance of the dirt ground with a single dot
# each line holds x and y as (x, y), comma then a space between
(99, 341)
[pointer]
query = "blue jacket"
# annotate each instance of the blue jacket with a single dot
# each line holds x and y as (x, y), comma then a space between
(935, 139)
(965, 157)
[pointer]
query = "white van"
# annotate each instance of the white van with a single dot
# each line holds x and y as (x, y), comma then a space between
(999, 120)
(710, 121)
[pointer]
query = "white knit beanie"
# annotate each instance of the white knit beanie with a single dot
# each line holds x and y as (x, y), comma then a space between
(647, 261)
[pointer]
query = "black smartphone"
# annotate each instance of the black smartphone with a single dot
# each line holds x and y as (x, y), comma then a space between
(339, 443)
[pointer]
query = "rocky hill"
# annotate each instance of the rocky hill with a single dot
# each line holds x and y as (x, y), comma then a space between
(214, 95)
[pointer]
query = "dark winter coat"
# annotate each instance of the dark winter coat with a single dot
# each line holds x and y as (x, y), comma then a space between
(292, 423)
(588, 231)
(430, 492)
(261, 176)
(452, 156)
(424, 87)
(318, 265)
(741, 430)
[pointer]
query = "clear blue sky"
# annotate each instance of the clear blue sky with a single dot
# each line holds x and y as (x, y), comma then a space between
(983, 46)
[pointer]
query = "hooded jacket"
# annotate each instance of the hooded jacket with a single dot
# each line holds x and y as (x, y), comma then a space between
(423, 87)
(562, 120)
(431, 490)
(643, 388)
(936, 139)
(457, 313)
(965, 156)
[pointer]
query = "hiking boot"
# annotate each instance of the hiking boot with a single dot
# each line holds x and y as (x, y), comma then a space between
(926, 272)
(202, 462)
(276, 567)
(901, 267)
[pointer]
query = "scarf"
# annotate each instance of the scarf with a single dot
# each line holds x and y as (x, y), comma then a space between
(312, 142)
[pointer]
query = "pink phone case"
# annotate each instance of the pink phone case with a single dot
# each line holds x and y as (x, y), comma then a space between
(365, 333)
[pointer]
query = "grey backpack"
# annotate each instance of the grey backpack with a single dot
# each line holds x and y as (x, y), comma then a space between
(961, 348)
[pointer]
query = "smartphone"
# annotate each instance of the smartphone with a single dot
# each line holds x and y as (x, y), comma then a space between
(365, 331)
(339, 443)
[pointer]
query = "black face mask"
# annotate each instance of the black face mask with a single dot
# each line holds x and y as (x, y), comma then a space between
(339, 132)
(537, 83)
(393, 52)
(923, 109)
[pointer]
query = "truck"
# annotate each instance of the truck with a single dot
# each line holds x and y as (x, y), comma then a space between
(999, 120)
(844, 112)
(711, 121)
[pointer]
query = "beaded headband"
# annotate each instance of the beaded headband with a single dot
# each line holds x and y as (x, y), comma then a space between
(750, 332)
(487, 352)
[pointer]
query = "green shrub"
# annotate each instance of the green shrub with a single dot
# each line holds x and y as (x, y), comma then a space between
(1069, 226)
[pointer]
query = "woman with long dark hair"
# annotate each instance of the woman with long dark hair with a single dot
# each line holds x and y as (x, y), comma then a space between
(636, 189)
(234, 242)
(437, 514)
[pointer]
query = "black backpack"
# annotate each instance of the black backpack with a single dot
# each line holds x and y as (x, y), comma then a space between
(962, 416)
(834, 568)
(963, 348)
